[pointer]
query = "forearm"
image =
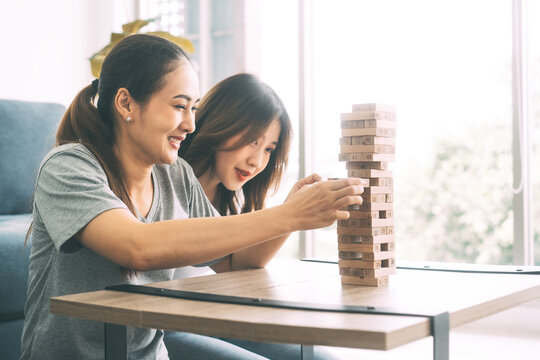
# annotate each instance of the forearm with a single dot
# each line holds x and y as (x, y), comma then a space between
(118, 236)
(177, 243)
(259, 255)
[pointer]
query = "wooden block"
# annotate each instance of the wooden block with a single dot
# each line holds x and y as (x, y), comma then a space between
(365, 239)
(383, 214)
(364, 157)
(344, 230)
(358, 214)
(345, 140)
(373, 131)
(376, 190)
(367, 264)
(358, 247)
(389, 246)
(376, 198)
(360, 264)
(369, 115)
(389, 230)
(373, 107)
(363, 182)
(380, 255)
(359, 165)
(381, 181)
(366, 223)
(388, 263)
(389, 198)
(376, 149)
(370, 206)
(349, 255)
(367, 124)
(370, 140)
(367, 273)
(353, 280)
(369, 173)
(363, 248)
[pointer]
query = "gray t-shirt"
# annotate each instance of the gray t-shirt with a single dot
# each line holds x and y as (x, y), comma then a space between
(72, 189)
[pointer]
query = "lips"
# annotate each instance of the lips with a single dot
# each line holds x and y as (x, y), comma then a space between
(175, 141)
(242, 174)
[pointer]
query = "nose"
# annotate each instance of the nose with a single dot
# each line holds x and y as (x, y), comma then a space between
(188, 122)
(256, 158)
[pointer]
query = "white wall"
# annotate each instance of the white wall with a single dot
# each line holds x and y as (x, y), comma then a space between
(45, 45)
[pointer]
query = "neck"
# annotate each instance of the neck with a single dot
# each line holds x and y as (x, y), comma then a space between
(210, 187)
(137, 174)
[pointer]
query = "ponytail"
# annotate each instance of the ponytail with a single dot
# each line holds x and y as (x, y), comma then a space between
(83, 123)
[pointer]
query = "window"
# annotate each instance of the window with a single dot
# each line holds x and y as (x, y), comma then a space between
(533, 58)
(451, 84)
(447, 66)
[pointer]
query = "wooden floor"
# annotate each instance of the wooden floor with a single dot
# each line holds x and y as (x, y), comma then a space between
(512, 334)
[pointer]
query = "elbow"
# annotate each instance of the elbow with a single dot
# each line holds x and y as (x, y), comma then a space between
(138, 256)
(138, 262)
(242, 264)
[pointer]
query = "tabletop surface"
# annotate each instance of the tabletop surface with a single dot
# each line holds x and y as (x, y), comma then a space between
(466, 296)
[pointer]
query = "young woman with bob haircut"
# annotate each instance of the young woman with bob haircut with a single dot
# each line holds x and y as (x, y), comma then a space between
(114, 204)
(239, 152)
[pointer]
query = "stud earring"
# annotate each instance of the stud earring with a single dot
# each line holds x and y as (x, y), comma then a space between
(128, 119)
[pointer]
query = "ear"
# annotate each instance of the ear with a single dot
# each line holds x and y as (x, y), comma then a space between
(124, 103)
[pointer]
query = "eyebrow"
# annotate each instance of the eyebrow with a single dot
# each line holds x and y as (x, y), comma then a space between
(188, 98)
(273, 142)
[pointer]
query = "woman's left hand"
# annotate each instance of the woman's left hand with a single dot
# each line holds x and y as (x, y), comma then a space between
(308, 180)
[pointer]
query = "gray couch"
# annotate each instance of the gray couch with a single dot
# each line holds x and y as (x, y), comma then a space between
(27, 133)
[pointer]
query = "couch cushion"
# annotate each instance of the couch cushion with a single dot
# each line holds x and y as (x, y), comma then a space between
(14, 259)
(28, 133)
(10, 339)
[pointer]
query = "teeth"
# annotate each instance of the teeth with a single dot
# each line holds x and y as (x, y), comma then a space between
(173, 139)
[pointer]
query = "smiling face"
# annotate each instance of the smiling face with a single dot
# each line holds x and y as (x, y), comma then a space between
(233, 168)
(157, 128)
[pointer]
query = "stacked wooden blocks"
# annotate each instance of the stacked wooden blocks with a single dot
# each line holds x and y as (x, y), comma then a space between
(366, 239)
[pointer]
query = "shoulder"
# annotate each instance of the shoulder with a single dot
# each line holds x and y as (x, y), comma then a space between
(72, 150)
(71, 158)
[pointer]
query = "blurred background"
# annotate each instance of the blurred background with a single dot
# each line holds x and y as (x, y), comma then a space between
(464, 76)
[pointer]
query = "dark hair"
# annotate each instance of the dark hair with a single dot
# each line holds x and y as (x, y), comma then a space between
(138, 63)
(239, 104)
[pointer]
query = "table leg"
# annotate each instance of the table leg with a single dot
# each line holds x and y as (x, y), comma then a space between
(115, 342)
(307, 352)
(440, 328)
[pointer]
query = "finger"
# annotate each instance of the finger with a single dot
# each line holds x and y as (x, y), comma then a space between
(341, 183)
(346, 201)
(342, 215)
(316, 178)
(350, 190)
(308, 180)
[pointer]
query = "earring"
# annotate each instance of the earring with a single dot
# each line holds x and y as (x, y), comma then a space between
(128, 119)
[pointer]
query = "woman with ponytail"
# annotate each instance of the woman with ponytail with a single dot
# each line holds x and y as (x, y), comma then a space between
(114, 204)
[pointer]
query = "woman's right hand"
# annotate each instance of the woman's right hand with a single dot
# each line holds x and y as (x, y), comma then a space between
(320, 205)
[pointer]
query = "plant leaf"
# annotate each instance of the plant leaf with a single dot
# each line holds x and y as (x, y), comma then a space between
(133, 27)
(184, 43)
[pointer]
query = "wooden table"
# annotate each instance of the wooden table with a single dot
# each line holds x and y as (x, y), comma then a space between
(465, 297)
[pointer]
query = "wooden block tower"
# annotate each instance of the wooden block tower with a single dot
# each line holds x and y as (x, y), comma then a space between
(366, 239)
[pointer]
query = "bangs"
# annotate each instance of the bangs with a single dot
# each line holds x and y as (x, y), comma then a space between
(250, 129)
